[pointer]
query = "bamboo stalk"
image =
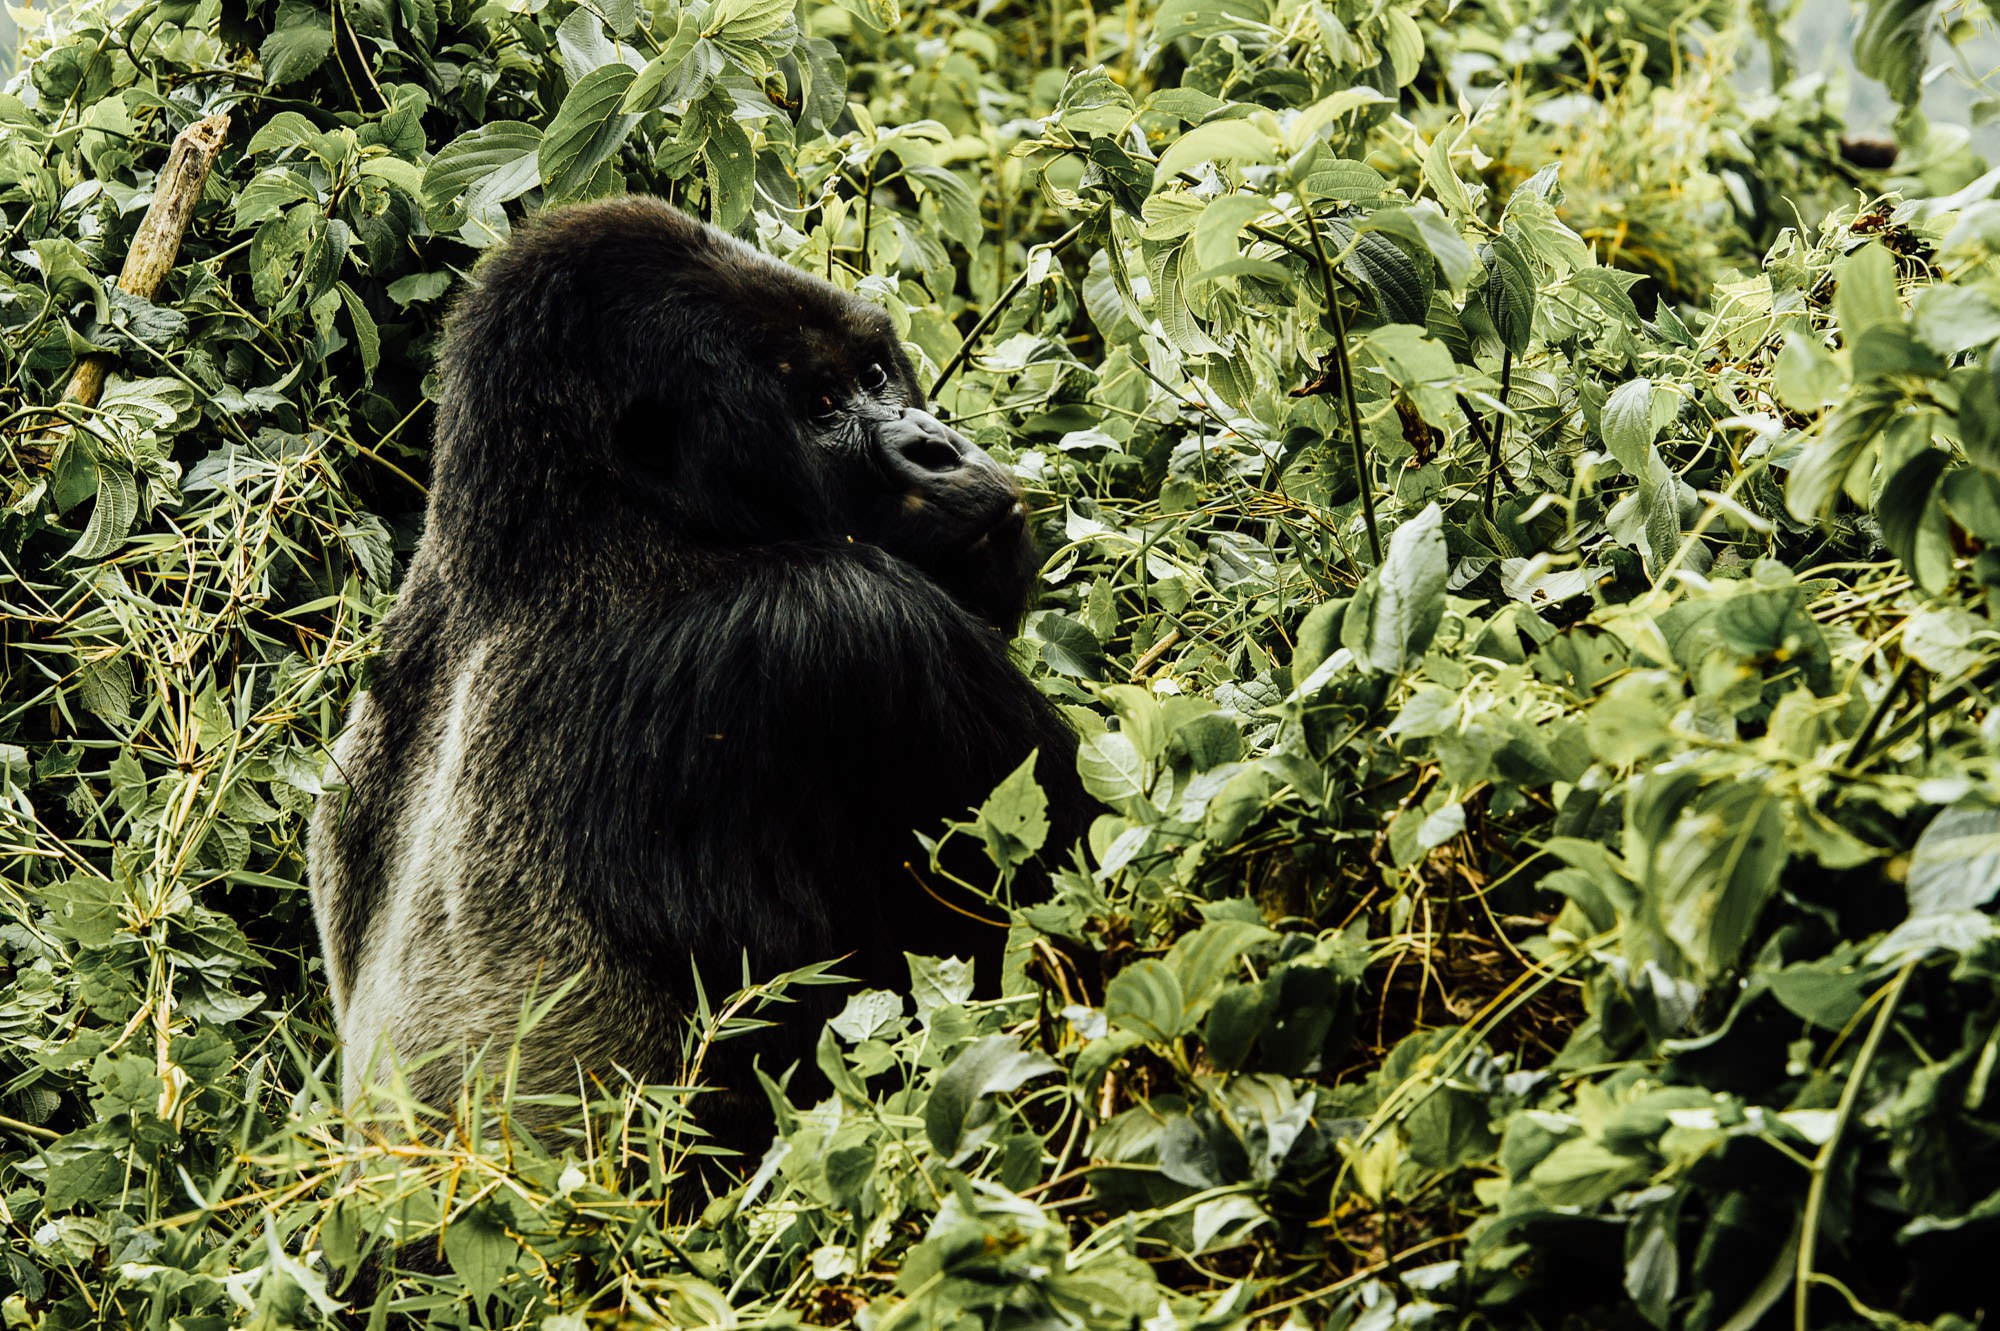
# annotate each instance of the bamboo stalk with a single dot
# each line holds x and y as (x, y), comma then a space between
(158, 241)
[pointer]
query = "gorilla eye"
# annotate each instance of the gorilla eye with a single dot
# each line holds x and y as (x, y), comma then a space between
(875, 378)
(825, 409)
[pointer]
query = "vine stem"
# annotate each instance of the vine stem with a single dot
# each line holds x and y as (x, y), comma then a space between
(993, 312)
(1866, 739)
(1822, 1165)
(1345, 369)
(867, 214)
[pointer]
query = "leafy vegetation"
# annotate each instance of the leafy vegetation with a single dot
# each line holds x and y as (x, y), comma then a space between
(1523, 529)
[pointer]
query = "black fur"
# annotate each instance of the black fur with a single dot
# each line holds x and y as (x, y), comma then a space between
(707, 617)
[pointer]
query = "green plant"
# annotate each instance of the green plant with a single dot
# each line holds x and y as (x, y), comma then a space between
(1541, 715)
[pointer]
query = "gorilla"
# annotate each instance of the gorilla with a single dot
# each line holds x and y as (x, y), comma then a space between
(709, 616)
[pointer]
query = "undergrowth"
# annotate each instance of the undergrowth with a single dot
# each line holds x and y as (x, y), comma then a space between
(1520, 522)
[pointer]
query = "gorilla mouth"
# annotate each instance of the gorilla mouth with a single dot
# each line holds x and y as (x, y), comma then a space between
(1010, 524)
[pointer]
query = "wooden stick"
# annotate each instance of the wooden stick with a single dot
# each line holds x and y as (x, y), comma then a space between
(158, 241)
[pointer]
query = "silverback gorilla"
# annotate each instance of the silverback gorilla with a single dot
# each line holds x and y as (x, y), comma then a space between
(709, 614)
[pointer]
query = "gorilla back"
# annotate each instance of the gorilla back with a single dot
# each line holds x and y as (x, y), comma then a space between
(708, 615)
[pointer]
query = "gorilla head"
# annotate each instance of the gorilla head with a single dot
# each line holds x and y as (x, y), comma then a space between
(663, 388)
(700, 634)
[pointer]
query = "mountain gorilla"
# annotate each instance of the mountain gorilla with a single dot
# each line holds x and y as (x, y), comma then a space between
(708, 615)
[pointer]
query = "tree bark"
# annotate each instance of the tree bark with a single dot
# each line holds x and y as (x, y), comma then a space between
(158, 241)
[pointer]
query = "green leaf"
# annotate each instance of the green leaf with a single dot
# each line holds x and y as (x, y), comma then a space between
(1954, 877)
(1345, 181)
(419, 287)
(1233, 809)
(1956, 863)
(1112, 769)
(1823, 992)
(82, 1170)
(405, 176)
(1864, 295)
(299, 43)
(587, 131)
(1893, 45)
(1092, 102)
(1203, 961)
(84, 908)
(1014, 820)
(112, 517)
(1973, 498)
(1419, 365)
(867, 1015)
(1808, 377)
(881, 15)
(1652, 1259)
(957, 205)
(1318, 638)
(1220, 223)
(681, 72)
(1403, 42)
(1145, 998)
(1236, 1017)
(1306, 127)
(1951, 320)
(1627, 423)
(732, 171)
(1842, 459)
(367, 341)
(481, 1250)
(582, 44)
(1401, 287)
(1139, 719)
(1912, 523)
(1171, 305)
(1443, 181)
(1433, 233)
(287, 129)
(958, 1116)
(1714, 870)
(484, 168)
(1069, 647)
(1217, 141)
(1584, 1173)
(746, 20)
(1409, 594)
(1508, 294)
(621, 16)
(105, 687)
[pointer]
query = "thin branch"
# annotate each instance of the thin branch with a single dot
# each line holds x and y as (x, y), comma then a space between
(1822, 1165)
(1056, 246)
(1345, 368)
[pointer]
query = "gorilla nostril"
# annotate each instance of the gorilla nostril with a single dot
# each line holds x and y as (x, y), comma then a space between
(932, 454)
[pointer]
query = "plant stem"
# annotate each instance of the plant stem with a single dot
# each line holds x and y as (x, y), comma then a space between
(1345, 369)
(1864, 740)
(964, 352)
(1492, 442)
(1822, 1165)
(867, 215)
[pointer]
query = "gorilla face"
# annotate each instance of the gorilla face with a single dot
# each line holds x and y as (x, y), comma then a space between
(741, 404)
(909, 483)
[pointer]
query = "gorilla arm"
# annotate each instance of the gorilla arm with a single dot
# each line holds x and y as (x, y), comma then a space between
(780, 739)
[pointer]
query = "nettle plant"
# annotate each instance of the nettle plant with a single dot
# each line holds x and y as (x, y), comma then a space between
(1522, 581)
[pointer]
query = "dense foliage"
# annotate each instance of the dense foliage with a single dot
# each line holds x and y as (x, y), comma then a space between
(1523, 528)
